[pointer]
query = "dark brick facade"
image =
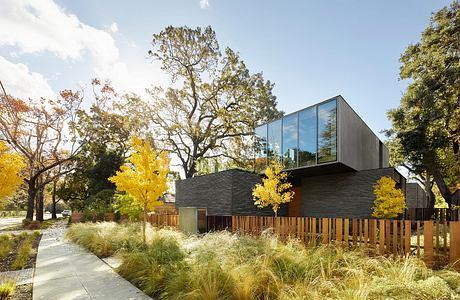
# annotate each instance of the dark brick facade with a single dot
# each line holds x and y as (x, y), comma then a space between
(222, 193)
(347, 194)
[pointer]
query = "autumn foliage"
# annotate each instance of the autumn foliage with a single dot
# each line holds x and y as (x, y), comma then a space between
(389, 200)
(10, 167)
(274, 190)
(144, 177)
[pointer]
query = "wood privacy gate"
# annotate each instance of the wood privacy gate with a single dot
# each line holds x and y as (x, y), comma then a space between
(436, 242)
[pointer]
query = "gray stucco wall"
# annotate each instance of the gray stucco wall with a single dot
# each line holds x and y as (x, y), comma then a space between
(415, 196)
(224, 193)
(358, 145)
(347, 194)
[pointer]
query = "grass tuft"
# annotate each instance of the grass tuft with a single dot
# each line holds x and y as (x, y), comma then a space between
(7, 288)
(222, 265)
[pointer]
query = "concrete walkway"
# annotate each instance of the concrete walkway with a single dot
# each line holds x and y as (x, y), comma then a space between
(67, 271)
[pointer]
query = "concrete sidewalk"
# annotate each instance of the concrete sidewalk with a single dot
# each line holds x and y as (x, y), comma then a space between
(67, 271)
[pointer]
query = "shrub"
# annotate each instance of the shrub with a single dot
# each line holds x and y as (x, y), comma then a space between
(6, 244)
(24, 253)
(7, 288)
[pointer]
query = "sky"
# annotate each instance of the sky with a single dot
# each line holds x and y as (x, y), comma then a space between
(311, 50)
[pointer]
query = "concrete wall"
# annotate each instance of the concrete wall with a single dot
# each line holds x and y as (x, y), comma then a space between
(358, 145)
(347, 194)
(415, 196)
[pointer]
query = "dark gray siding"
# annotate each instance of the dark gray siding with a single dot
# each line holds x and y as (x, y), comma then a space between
(223, 193)
(213, 191)
(347, 194)
(358, 145)
(242, 203)
(415, 196)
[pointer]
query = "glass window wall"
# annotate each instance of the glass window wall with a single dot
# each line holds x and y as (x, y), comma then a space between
(327, 132)
(307, 137)
(290, 141)
(260, 145)
(274, 140)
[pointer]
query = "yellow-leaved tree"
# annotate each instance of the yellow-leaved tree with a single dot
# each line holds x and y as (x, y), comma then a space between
(390, 201)
(274, 190)
(11, 165)
(144, 177)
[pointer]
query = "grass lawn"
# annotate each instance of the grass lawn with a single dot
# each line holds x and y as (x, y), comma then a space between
(227, 266)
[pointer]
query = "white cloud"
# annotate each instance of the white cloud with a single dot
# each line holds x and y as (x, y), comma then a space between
(20, 82)
(114, 27)
(45, 27)
(204, 3)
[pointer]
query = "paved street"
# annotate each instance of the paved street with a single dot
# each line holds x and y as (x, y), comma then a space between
(8, 222)
(67, 271)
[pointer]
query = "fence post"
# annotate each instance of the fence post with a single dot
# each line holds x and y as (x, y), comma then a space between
(455, 244)
(428, 243)
(325, 227)
(373, 235)
(407, 229)
(346, 229)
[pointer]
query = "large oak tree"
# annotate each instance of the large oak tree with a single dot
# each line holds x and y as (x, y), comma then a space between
(426, 125)
(214, 102)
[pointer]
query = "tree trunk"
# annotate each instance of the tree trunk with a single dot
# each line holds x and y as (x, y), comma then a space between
(145, 223)
(40, 197)
(445, 192)
(32, 193)
(53, 205)
(429, 200)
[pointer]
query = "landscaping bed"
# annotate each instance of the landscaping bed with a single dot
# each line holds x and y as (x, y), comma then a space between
(17, 252)
(222, 265)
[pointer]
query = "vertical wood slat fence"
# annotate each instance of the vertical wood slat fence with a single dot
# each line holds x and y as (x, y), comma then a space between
(164, 220)
(436, 242)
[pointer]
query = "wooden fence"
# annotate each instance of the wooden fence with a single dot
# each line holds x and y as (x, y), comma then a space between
(437, 242)
(164, 220)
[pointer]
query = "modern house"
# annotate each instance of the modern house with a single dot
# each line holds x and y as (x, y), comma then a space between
(333, 159)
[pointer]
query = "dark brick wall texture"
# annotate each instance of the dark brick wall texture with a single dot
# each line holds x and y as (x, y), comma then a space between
(224, 193)
(347, 194)
(229, 192)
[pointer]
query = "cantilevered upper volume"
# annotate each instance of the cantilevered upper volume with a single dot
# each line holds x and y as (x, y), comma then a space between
(327, 135)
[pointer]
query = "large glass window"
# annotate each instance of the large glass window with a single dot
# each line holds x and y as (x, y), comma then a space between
(290, 139)
(307, 137)
(260, 145)
(327, 132)
(274, 140)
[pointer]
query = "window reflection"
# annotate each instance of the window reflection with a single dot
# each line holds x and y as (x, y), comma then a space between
(274, 140)
(290, 139)
(307, 137)
(327, 132)
(260, 145)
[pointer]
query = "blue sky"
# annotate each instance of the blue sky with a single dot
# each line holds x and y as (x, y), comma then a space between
(311, 50)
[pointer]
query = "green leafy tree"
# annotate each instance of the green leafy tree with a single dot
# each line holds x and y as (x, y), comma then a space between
(426, 125)
(214, 103)
(390, 201)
